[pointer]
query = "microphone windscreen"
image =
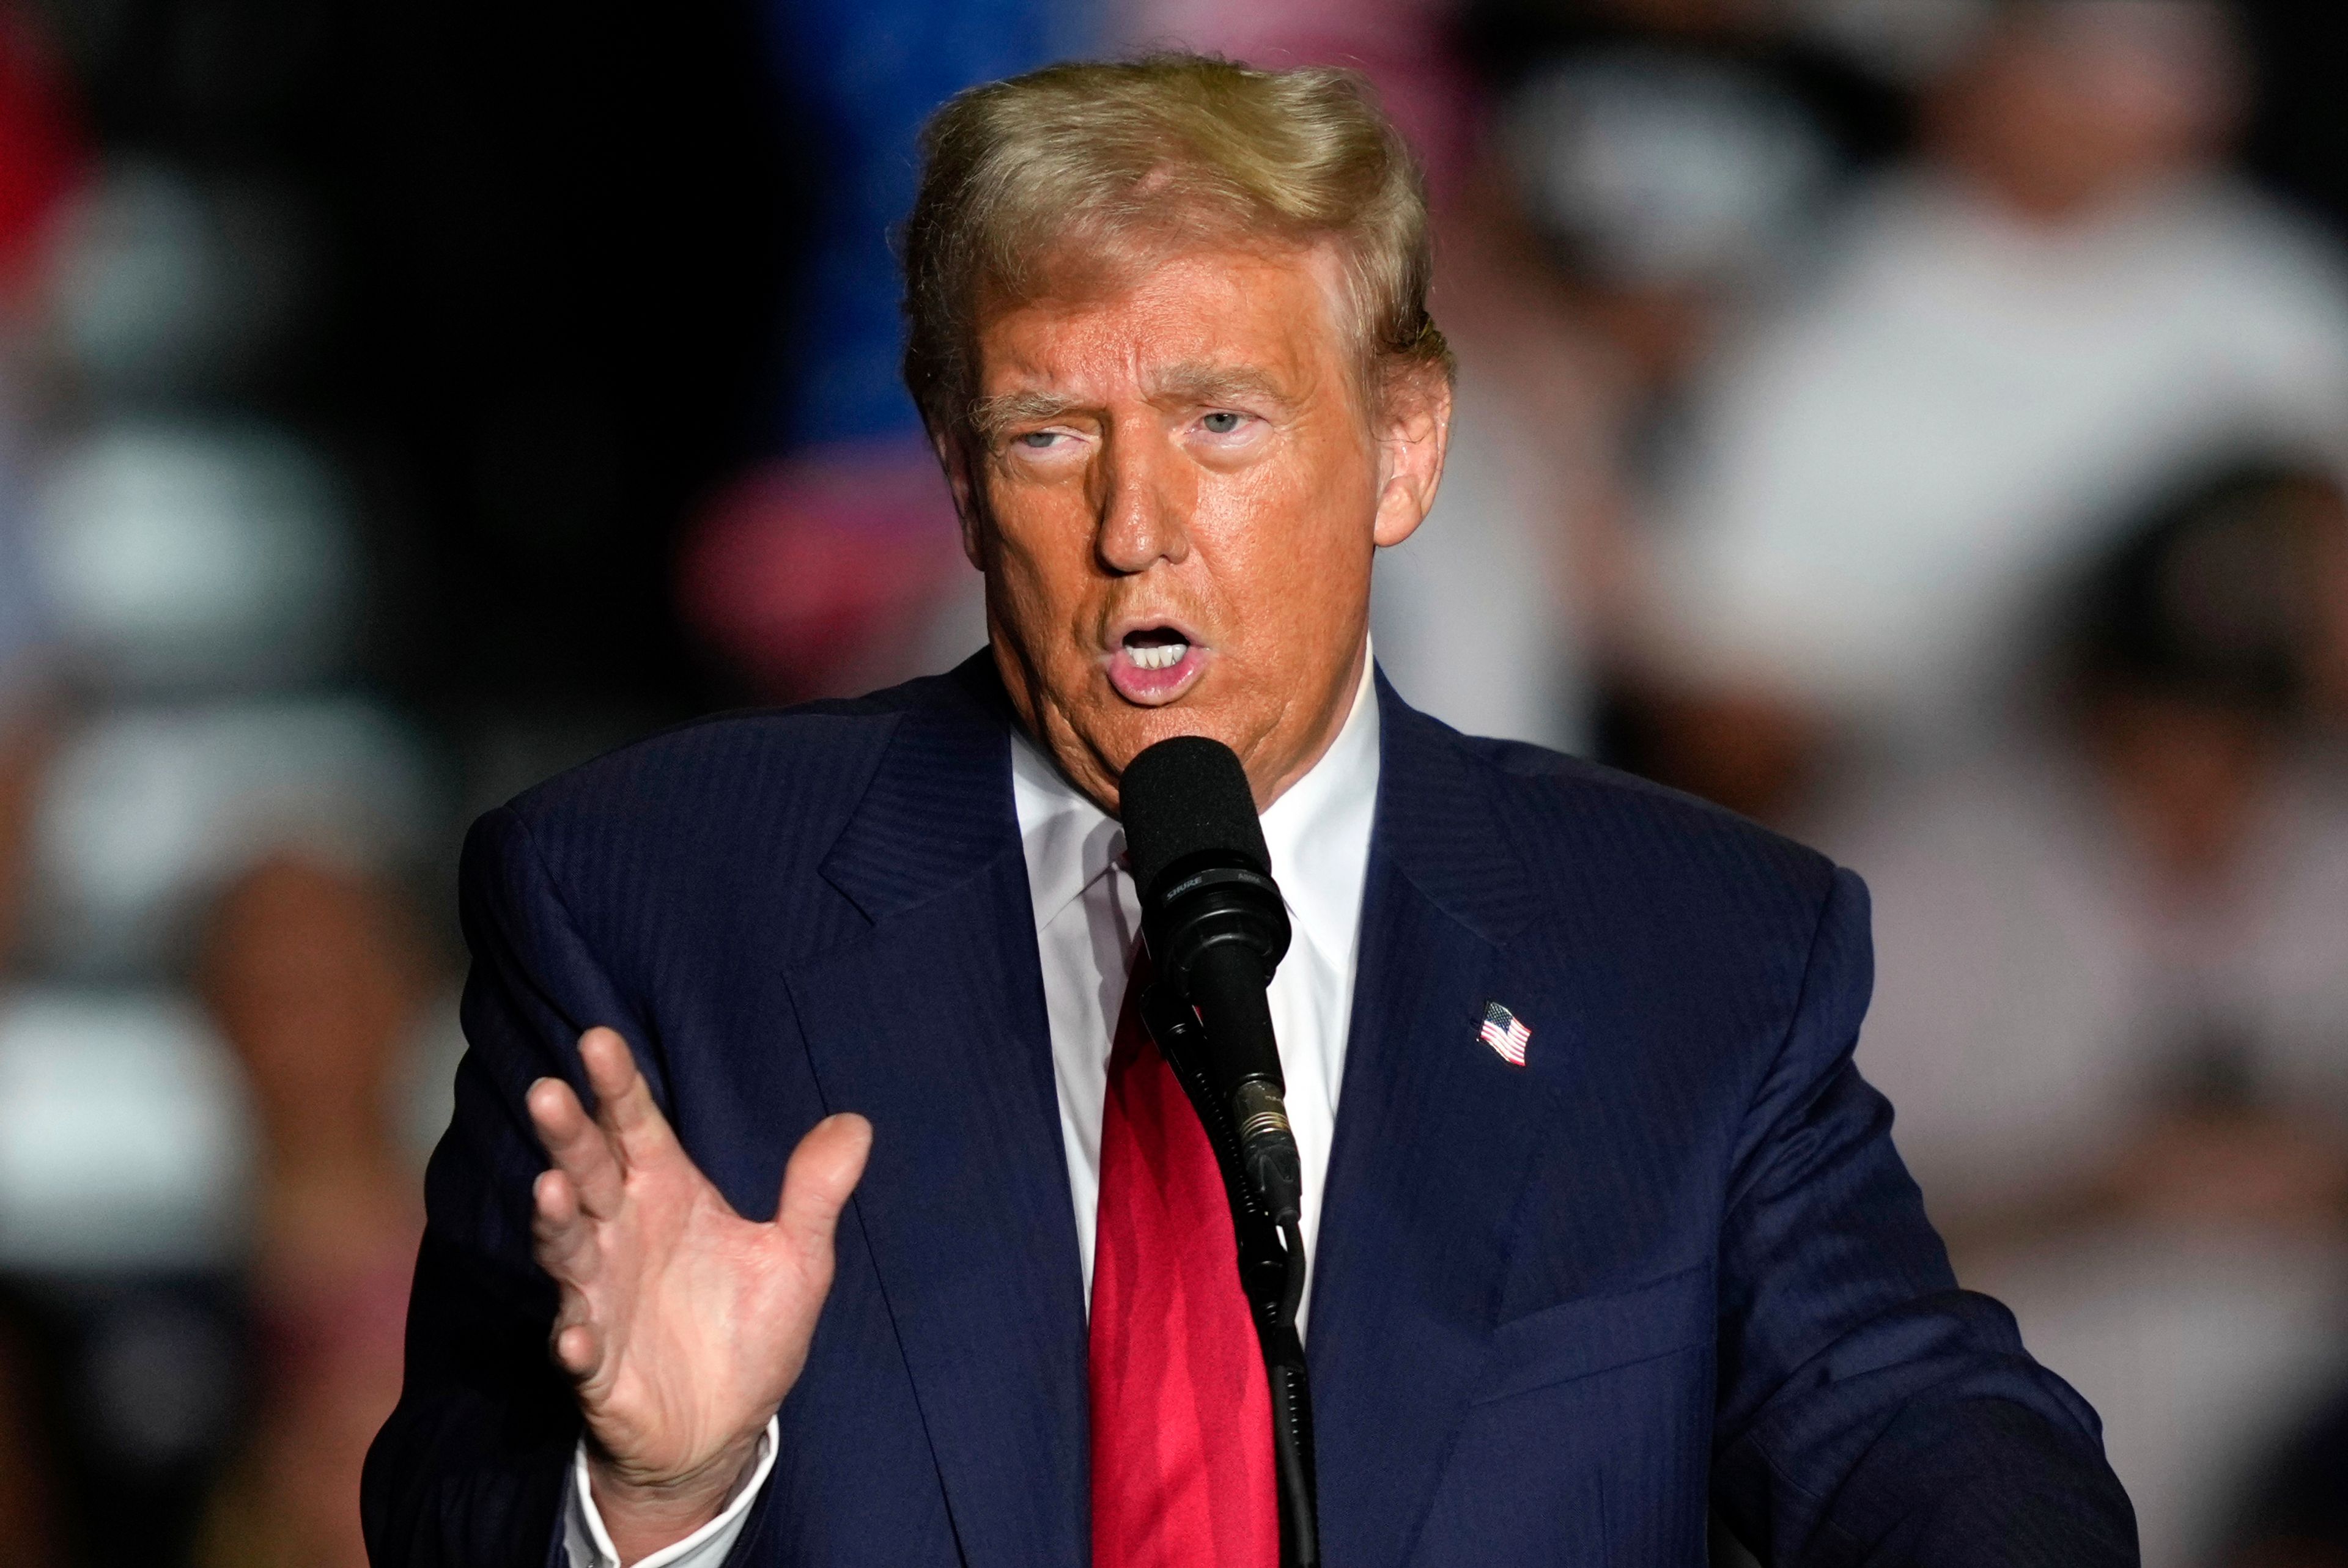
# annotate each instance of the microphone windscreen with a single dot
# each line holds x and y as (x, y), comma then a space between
(1184, 796)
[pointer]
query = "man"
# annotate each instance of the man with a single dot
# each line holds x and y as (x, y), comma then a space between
(2062, 310)
(1573, 1279)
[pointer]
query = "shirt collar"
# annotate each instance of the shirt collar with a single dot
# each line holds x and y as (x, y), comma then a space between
(1069, 842)
(1318, 831)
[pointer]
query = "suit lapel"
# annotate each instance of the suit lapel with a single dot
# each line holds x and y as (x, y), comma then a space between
(1435, 1135)
(932, 1023)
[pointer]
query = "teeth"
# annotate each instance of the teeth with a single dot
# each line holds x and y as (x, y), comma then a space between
(1163, 657)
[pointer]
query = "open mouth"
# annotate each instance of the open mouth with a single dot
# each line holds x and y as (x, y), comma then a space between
(1154, 664)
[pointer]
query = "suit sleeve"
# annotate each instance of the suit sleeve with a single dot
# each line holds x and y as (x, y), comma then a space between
(1870, 1411)
(473, 1465)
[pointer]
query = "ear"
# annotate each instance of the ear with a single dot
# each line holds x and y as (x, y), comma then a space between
(1415, 431)
(954, 456)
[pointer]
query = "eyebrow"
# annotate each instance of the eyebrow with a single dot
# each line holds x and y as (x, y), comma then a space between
(990, 416)
(1190, 383)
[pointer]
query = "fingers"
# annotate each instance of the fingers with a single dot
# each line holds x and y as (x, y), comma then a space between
(562, 1239)
(823, 1171)
(623, 1100)
(565, 1248)
(580, 1149)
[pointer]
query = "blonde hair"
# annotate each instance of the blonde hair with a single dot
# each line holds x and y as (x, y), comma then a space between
(1111, 161)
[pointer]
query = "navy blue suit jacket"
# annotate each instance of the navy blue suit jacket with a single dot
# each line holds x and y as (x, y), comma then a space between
(1559, 1311)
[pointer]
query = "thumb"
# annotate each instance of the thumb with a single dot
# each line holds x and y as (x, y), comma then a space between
(823, 1171)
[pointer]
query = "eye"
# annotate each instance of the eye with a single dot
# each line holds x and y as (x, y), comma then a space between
(1222, 422)
(1038, 440)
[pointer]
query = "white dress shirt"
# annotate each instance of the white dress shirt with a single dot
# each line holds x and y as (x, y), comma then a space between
(1088, 921)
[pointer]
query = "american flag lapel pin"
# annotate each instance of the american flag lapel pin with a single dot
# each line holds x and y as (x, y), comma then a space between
(1506, 1033)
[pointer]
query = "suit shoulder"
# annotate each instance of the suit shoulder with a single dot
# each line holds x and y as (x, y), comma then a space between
(709, 834)
(1602, 821)
(702, 799)
(706, 761)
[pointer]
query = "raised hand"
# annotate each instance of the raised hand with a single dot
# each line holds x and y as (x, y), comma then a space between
(682, 1323)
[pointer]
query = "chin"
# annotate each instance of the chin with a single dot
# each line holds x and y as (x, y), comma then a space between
(1137, 729)
(1110, 728)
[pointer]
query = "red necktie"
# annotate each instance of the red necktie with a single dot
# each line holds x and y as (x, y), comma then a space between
(1182, 1465)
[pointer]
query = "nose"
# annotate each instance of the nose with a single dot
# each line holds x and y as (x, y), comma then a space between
(1144, 501)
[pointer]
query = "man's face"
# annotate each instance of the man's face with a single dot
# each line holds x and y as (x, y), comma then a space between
(1175, 490)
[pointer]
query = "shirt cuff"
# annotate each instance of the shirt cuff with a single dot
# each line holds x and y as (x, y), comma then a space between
(588, 1545)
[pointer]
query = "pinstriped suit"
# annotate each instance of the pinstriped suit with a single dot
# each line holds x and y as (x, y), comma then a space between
(1559, 1311)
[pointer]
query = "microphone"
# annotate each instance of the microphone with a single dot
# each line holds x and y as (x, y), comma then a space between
(1216, 928)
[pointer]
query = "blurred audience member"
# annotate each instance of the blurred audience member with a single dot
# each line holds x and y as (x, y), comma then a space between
(315, 978)
(2138, 908)
(2066, 305)
(1635, 201)
(179, 600)
(1671, 188)
(2111, 1005)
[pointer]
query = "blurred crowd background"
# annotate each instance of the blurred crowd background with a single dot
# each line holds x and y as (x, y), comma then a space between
(1920, 424)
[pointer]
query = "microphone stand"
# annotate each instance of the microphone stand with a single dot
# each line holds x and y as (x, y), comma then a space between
(1271, 1272)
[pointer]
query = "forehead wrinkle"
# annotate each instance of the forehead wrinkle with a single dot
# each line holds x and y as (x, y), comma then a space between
(1188, 382)
(1196, 382)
